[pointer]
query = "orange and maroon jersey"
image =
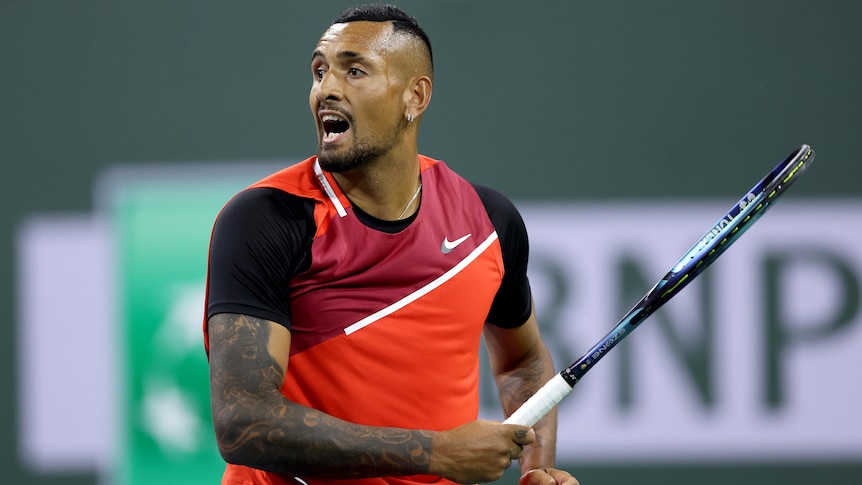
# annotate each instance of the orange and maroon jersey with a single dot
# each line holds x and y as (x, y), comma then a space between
(385, 317)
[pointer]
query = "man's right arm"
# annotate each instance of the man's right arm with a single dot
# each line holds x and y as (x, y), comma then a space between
(257, 426)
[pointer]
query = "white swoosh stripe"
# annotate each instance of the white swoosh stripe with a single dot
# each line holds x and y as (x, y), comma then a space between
(424, 290)
(448, 245)
(328, 189)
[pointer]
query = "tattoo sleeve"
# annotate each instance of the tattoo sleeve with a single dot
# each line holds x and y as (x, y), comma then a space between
(257, 426)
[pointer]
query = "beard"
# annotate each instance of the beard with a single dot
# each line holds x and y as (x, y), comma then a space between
(362, 154)
(343, 160)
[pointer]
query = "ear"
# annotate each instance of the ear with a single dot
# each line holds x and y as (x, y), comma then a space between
(417, 96)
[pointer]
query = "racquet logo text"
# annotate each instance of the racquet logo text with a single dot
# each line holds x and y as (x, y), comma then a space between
(608, 344)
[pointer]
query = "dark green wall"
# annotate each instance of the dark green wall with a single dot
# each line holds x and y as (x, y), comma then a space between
(558, 99)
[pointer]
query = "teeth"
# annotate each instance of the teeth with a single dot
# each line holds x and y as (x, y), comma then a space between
(325, 118)
(333, 126)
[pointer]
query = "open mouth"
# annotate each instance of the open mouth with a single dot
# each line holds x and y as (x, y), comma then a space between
(333, 127)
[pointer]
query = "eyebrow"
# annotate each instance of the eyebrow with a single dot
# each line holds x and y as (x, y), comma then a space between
(341, 55)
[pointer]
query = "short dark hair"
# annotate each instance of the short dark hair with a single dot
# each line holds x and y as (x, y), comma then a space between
(379, 12)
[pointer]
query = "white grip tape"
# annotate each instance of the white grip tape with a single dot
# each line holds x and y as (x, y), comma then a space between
(541, 402)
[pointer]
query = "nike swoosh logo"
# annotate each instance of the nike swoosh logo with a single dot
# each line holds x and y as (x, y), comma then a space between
(448, 245)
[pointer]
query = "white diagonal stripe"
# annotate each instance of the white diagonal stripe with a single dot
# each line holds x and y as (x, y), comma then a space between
(424, 290)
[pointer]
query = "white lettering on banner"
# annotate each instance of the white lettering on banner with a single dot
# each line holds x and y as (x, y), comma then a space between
(779, 390)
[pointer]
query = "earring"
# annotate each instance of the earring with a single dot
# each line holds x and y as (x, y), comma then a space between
(410, 117)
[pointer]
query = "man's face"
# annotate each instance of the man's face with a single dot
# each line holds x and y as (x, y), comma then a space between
(357, 94)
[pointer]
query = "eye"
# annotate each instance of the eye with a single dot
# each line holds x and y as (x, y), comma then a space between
(355, 72)
(318, 70)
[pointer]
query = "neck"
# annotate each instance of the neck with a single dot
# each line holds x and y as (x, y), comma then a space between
(411, 201)
(389, 194)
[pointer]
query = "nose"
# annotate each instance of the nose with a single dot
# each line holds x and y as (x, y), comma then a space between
(329, 87)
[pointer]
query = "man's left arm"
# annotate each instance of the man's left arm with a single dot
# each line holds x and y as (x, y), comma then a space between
(521, 364)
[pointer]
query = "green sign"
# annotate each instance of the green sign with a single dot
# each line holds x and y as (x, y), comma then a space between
(162, 229)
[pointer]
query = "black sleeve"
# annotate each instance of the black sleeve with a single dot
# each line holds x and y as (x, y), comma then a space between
(513, 303)
(260, 240)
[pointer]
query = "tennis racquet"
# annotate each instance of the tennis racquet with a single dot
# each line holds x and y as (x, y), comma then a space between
(727, 230)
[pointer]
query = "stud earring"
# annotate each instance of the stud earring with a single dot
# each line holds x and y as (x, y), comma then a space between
(410, 117)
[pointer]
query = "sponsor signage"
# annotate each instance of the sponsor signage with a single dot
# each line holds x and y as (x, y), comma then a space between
(751, 362)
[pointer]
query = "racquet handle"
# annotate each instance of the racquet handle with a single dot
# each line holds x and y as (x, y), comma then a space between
(541, 402)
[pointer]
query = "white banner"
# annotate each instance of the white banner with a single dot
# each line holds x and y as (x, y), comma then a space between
(755, 361)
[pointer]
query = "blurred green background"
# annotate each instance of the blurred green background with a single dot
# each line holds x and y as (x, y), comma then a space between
(574, 100)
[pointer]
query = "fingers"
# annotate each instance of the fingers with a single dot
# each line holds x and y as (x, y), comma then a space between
(547, 476)
(517, 452)
(522, 435)
(479, 451)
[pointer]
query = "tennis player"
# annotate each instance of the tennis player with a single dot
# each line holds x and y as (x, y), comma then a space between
(347, 295)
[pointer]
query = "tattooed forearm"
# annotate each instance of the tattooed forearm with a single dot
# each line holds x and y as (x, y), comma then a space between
(258, 427)
(515, 387)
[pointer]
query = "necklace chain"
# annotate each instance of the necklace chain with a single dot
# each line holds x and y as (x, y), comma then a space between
(412, 199)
